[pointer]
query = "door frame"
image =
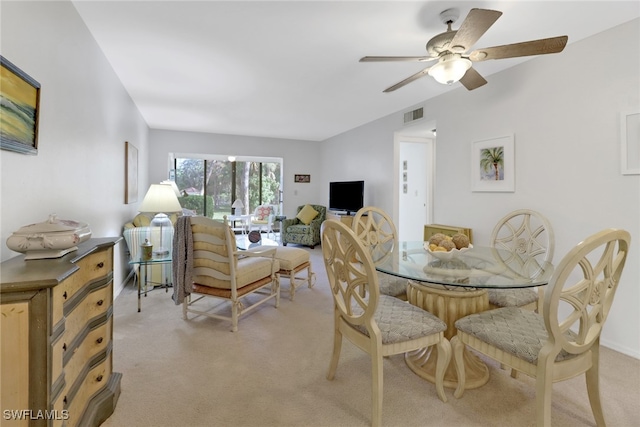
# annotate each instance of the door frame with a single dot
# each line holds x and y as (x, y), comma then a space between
(429, 140)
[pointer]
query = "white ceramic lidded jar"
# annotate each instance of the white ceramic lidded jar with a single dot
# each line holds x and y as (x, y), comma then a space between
(49, 239)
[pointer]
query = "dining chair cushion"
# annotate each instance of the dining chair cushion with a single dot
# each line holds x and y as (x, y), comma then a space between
(512, 297)
(513, 330)
(399, 321)
(392, 285)
(307, 214)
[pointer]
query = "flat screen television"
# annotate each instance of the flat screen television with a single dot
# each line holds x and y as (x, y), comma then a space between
(346, 196)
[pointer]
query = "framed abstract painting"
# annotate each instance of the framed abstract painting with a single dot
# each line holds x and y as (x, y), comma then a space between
(20, 106)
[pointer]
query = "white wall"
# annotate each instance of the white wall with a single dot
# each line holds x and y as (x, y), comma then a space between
(85, 118)
(564, 112)
(299, 157)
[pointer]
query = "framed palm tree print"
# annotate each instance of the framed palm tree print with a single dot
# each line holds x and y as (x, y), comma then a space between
(493, 165)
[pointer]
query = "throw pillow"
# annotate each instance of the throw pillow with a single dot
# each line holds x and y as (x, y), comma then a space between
(307, 214)
(263, 212)
(142, 220)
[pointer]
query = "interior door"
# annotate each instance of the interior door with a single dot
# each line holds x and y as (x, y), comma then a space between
(415, 186)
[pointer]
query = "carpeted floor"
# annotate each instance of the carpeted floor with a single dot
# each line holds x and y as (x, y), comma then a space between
(272, 372)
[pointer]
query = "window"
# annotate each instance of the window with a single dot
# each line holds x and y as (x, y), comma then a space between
(209, 186)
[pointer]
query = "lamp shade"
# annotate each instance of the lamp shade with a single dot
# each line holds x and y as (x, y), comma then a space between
(160, 198)
(237, 206)
(173, 185)
(450, 69)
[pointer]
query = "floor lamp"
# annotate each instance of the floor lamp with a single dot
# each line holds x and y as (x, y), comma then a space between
(160, 200)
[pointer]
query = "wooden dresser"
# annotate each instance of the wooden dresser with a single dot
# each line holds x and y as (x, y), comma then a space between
(56, 338)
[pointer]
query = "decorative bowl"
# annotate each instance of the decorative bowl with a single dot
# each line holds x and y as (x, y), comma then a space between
(49, 239)
(448, 255)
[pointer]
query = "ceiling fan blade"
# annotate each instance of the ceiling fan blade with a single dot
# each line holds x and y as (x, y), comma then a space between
(534, 47)
(473, 27)
(396, 59)
(472, 79)
(408, 80)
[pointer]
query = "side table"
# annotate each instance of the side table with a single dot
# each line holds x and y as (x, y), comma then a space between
(244, 220)
(144, 265)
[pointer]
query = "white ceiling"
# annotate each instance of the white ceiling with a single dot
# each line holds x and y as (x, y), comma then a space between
(289, 69)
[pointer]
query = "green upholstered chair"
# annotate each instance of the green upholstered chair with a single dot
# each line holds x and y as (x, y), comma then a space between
(296, 231)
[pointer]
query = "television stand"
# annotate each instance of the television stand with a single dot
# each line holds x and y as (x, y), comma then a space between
(345, 218)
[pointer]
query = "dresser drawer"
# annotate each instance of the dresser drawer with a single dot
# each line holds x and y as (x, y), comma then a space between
(95, 342)
(94, 304)
(94, 266)
(97, 379)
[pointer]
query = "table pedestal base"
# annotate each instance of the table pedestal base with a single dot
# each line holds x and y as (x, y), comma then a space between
(423, 363)
(449, 305)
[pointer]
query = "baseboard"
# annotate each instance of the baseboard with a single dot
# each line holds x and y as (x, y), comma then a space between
(624, 350)
(117, 289)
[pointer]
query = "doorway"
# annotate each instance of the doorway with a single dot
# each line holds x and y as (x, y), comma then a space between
(414, 183)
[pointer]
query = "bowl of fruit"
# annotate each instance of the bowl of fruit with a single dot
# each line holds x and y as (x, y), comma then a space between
(445, 247)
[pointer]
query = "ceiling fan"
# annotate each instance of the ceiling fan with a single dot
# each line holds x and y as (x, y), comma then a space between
(449, 49)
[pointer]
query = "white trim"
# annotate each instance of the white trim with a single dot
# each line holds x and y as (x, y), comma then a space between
(630, 142)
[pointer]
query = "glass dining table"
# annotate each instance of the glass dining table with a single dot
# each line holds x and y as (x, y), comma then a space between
(453, 285)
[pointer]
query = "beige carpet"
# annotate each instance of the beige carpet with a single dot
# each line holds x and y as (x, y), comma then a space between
(272, 372)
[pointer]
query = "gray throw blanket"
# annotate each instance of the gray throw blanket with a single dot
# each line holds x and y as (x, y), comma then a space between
(182, 260)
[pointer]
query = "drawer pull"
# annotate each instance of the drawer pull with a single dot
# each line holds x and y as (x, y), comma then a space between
(64, 295)
(64, 347)
(99, 378)
(99, 340)
(100, 302)
(64, 400)
(100, 264)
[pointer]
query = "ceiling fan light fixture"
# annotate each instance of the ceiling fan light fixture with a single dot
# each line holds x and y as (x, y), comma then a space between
(450, 69)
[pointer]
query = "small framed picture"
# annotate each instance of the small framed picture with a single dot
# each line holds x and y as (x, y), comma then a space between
(492, 165)
(302, 178)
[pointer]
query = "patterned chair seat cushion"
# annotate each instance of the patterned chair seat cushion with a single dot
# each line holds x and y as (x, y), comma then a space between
(513, 330)
(400, 321)
(512, 297)
(392, 285)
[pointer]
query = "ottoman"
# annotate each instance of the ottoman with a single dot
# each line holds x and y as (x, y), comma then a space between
(292, 261)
